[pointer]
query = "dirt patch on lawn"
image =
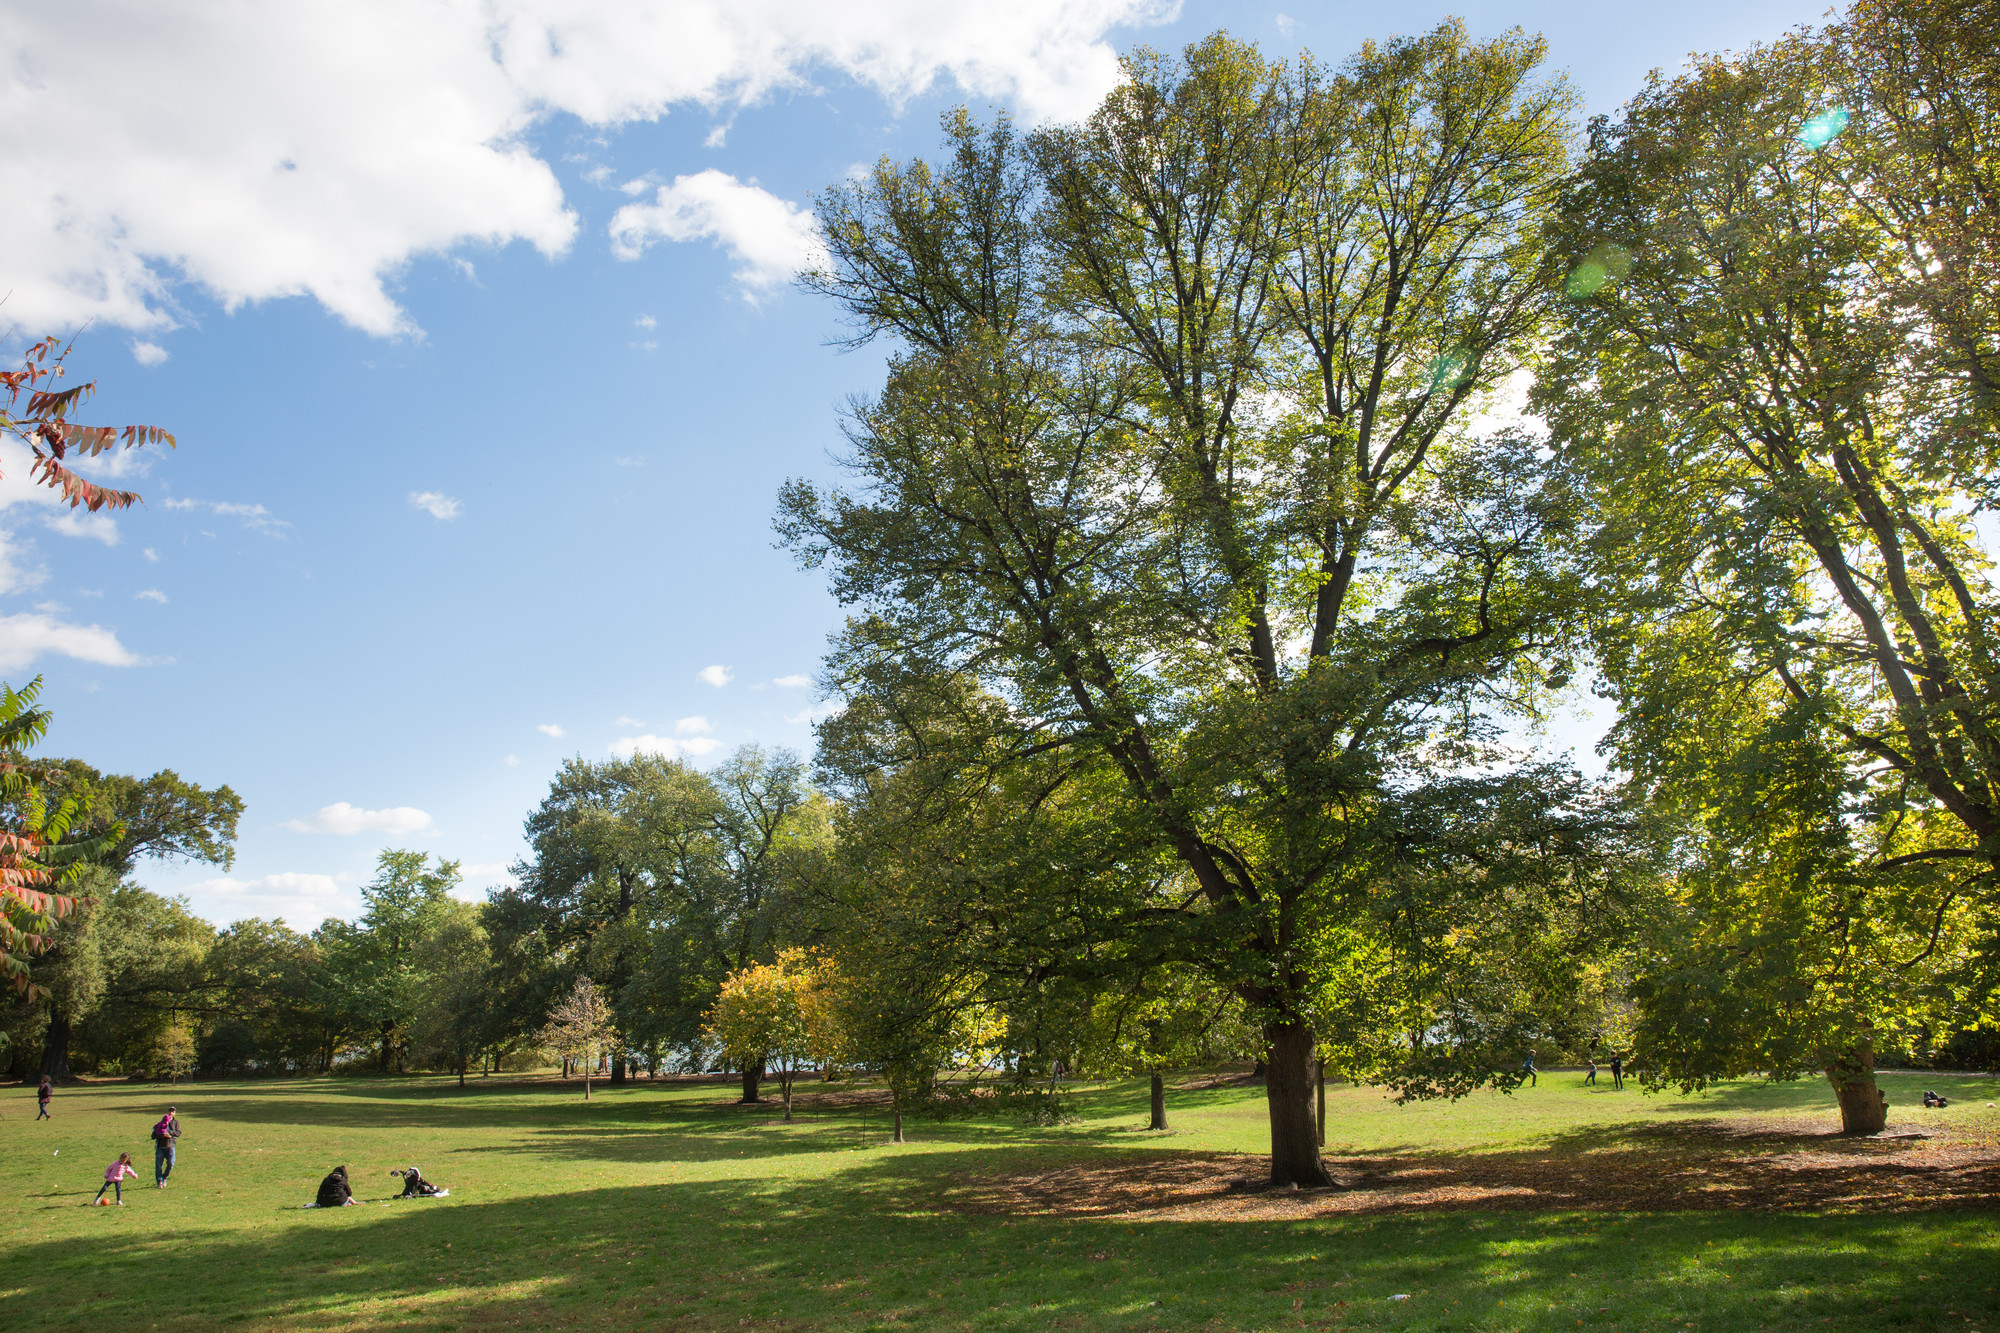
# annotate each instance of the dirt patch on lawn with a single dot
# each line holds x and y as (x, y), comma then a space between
(1702, 1165)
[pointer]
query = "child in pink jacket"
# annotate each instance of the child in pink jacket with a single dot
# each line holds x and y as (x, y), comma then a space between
(115, 1177)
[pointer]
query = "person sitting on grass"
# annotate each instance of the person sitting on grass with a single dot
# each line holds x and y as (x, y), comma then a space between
(115, 1177)
(414, 1184)
(1932, 1099)
(334, 1191)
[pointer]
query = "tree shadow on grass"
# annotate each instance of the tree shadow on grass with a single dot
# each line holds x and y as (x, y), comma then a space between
(869, 1247)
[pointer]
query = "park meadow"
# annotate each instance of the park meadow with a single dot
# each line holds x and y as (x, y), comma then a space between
(664, 1204)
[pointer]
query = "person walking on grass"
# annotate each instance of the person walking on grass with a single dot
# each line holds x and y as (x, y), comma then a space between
(1590, 1079)
(115, 1177)
(1528, 1068)
(164, 1136)
(42, 1095)
(1617, 1071)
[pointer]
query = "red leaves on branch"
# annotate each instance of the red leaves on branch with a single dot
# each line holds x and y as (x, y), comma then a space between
(44, 426)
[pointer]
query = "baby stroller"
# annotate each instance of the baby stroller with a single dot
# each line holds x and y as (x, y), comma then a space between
(415, 1186)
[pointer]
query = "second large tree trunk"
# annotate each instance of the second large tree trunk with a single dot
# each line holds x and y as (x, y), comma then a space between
(753, 1074)
(1288, 1091)
(1863, 1108)
(55, 1049)
(617, 1071)
(1159, 1103)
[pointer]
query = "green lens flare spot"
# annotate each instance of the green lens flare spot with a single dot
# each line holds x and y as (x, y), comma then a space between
(1586, 278)
(1449, 370)
(1605, 263)
(1824, 128)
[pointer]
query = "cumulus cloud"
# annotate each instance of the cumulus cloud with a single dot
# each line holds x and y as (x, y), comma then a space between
(435, 503)
(301, 901)
(151, 595)
(342, 818)
(629, 722)
(151, 555)
(693, 726)
(82, 523)
(513, 761)
(792, 682)
(148, 353)
(314, 149)
(770, 238)
(30, 635)
(552, 729)
(717, 675)
(667, 747)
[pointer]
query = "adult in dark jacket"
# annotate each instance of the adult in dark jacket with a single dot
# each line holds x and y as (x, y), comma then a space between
(333, 1191)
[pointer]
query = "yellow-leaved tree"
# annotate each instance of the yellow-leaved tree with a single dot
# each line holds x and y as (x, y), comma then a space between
(780, 1013)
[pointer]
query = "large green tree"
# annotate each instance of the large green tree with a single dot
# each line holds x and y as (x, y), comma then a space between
(1174, 462)
(1775, 380)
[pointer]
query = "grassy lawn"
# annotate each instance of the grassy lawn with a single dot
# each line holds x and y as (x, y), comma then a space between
(663, 1206)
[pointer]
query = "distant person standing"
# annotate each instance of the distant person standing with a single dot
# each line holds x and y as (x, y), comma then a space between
(115, 1177)
(42, 1095)
(1590, 1079)
(1528, 1068)
(1617, 1070)
(165, 1135)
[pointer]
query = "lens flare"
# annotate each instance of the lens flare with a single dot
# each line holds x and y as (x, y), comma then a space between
(1605, 263)
(1449, 370)
(1824, 128)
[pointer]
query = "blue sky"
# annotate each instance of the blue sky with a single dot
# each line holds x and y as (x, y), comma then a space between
(471, 323)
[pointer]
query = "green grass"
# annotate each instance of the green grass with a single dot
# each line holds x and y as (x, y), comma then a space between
(663, 1207)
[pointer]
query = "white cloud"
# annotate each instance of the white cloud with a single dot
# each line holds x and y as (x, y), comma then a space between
(436, 503)
(475, 880)
(551, 729)
(628, 722)
(645, 322)
(693, 726)
(151, 555)
(255, 517)
(316, 148)
(302, 901)
(770, 238)
(631, 460)
(815, 713)
(148, 353)
(83, 523)
(1287, 25)
(342, 818)
(717, 675)
(27, 636)
(667, 747)
(792, 682)
(513, 761)
(150, 595)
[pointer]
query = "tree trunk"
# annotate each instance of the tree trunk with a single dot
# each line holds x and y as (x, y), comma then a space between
(753, 1074)
(388, 1044)
(785, 1083)
(1261, 1069)
(586, 1079)
(1288, 1092)
(1319, 1104)
(1863, 1107)
(463, 1061)
(55, 1049)
(617, 1071)
(1159, 1102)
(899, 1124)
